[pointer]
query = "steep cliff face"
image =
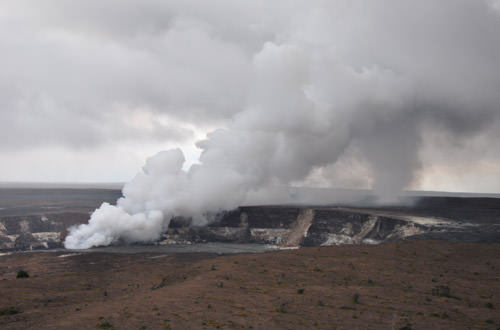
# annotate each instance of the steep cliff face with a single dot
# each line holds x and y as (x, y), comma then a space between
(36, 231)
(38, 218)
(299, 228)
(295, 226)
(332, 227)
(283, 226)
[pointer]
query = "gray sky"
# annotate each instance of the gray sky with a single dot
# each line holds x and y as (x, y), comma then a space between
(344, 93)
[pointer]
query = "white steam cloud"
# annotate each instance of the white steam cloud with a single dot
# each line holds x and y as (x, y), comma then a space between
(307, 86)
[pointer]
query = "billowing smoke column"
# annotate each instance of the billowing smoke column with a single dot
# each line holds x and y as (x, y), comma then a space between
(334, 81)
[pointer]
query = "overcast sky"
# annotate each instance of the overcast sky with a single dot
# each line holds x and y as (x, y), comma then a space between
(381, 90)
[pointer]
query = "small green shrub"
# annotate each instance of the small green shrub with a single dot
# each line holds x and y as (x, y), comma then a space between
(300, 291)
(441, 291)
(406, 327)
(9, 311)
(22, 274)
(444, 315)
(104, 325)
(282, 309)
(347, 308)
(355, 298)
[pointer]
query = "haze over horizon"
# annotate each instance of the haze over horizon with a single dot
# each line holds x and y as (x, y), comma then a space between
(326, 190)
(90, 89)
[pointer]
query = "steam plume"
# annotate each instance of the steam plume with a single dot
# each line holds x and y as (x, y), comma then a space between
(325, 82)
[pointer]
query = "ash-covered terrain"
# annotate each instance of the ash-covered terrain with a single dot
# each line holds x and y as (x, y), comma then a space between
(398, 285)
(39, 219)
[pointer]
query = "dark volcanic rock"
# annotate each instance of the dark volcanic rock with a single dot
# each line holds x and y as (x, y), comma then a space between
(30, 223)
(486, 234)
(45, 214)
(24, 241)
(335, 226)
(270, 217)
(40, 218)
(179, 222)
(461, 209)
(224, 234)
(4, 241)
(231, 218)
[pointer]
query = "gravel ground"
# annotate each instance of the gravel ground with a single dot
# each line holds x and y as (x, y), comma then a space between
(399, 285)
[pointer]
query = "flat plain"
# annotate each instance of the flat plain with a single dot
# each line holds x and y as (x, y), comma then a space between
(424, 284)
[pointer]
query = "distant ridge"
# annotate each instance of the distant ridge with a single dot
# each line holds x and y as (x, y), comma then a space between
(349, 195)
(61, 185)
(426, 193)
(309, 192)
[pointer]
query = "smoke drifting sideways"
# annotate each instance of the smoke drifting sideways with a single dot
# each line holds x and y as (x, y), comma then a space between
(335, 80)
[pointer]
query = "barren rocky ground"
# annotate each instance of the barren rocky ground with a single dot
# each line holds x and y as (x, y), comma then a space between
(421, 284)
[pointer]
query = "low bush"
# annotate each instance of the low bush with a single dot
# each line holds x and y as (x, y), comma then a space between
(9, 311)
(441, 291)
(22, 274)
(104, 325)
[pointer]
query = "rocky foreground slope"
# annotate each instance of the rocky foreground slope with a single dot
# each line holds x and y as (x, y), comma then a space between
(39, 218)
(396, 285)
